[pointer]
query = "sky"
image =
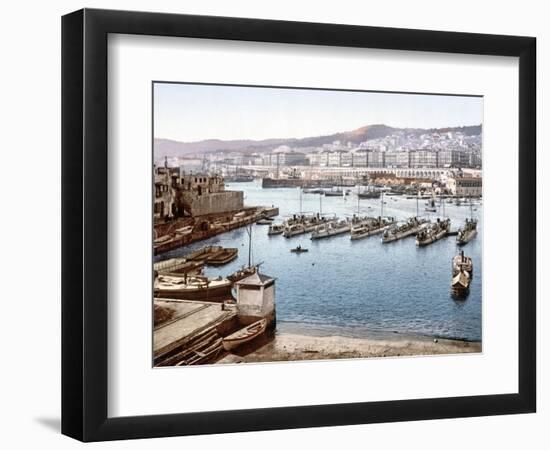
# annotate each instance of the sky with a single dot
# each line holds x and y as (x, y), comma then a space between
(193, 112)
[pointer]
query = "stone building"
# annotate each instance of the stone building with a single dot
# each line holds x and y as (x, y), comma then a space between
(465, 186)
(200, 194)
(178, 194)
(164, 206)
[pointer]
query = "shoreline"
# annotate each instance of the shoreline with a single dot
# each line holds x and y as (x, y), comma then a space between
(303, 347)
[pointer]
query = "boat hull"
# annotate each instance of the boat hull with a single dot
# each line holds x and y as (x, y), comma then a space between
(236, 339)
(210, 294)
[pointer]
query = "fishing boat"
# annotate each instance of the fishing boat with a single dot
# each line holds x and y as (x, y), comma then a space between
(299, 249)
(467, 233)
(276, 228)
(223, 256)
(245, 334)
(330, 229)
(434, 232)
(191, 287)
(370, 228)
(409, 228)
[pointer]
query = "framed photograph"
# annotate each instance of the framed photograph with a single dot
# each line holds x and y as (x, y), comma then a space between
(273, 224)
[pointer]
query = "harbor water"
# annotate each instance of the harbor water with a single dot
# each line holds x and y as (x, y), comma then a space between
(358, 288)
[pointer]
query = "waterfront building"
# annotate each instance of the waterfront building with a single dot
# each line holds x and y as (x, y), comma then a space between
(256, 298)
(465, 186)
(178, 193)
(164, 205)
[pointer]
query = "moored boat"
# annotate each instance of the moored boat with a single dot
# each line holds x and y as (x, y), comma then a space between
(462, 262)
(411, 227)
(434, 232)
(265, 221)
(460, 284)
(244, 335)
(223, 256)
(191, 287)
(370, 228)
(467, 233)
(329, 229)
(276, 228)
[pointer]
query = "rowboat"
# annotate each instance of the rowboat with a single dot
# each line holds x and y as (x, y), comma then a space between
(223, 256)
(299, 249)
(245, 334)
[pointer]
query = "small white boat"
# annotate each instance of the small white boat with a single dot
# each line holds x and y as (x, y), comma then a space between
(245, 334)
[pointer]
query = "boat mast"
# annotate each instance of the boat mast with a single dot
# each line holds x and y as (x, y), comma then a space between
(320, 203)
(300, 200)
(249, 232)
(417, 195)
(382, 204)
(442, 203)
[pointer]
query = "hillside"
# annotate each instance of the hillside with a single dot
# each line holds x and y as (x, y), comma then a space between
(167, 147)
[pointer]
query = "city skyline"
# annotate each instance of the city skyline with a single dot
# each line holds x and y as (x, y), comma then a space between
(196, 112)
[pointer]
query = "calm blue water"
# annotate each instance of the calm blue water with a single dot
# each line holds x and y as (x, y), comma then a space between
(358, 287)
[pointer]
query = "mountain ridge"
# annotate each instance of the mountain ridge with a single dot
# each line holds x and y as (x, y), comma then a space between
(172, 148)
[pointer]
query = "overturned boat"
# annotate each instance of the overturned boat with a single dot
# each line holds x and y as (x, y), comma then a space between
(409, 228)
(467, 233)
(434, 232)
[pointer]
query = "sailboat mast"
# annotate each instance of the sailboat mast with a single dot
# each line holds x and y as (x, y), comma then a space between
(300, 200)
(249, 230)
(382, 205)
(417, 195)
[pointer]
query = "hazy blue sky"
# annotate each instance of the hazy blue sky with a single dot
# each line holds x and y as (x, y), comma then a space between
(186, 112)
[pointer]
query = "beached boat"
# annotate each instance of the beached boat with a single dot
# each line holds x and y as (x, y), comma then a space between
(370, 228)
(191, 287)
(299, 249)
(330, 229)
(434, 232)
(245, 334)
(411, 227)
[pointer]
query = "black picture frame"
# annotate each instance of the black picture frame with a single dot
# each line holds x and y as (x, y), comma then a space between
(84, 224)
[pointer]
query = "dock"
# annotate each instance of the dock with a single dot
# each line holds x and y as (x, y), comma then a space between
(192, 333)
